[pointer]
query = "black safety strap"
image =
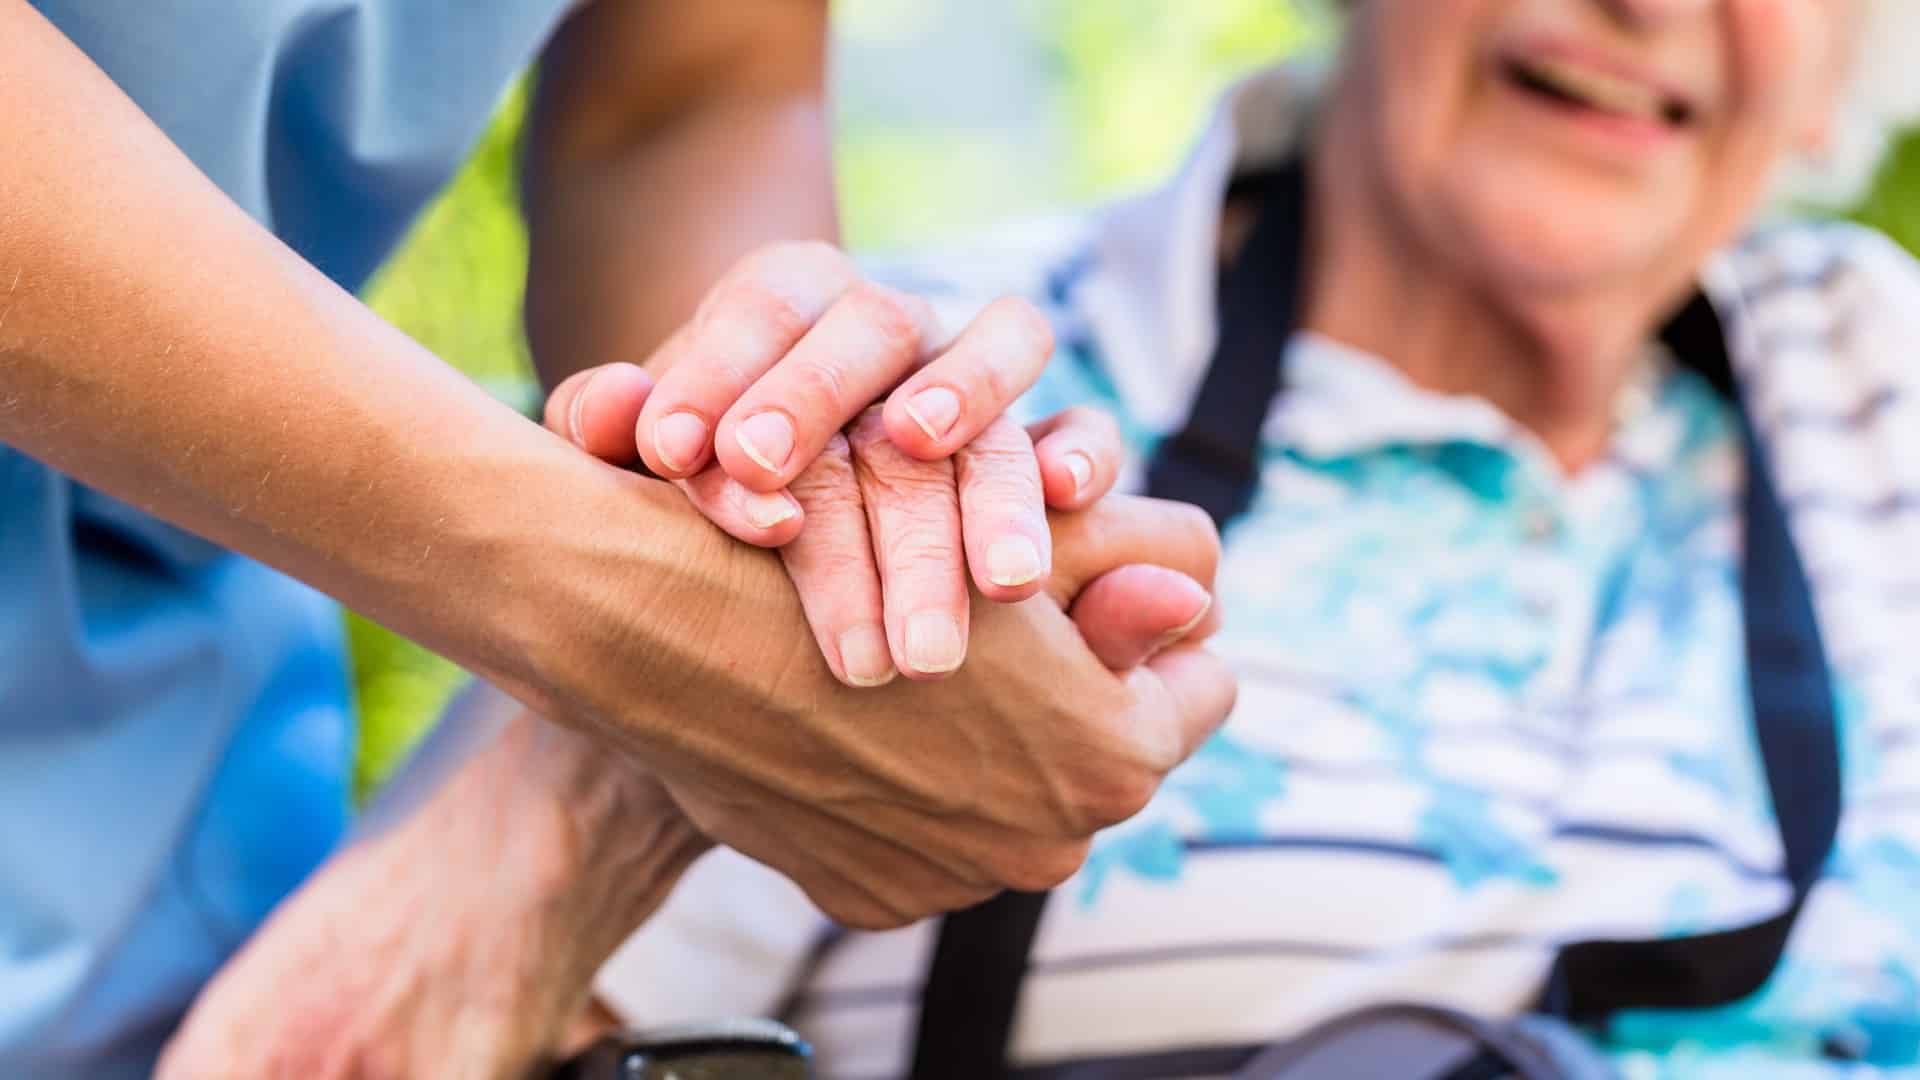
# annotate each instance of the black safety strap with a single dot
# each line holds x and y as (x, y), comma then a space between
(1796, 728)
(1213, 461)
(973, 983)
(980, 959)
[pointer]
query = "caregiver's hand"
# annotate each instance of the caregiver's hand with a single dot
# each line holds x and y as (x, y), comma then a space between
(791, 344)
(792, 338)
(869, 816)
(886, 805)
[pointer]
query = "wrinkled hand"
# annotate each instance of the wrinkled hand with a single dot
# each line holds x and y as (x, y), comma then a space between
(886, 544)
(462, 943)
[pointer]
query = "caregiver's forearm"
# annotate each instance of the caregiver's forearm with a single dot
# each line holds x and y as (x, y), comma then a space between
(666, 140)
(157, 344)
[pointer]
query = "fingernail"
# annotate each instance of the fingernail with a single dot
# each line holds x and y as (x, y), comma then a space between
(766, 511)
(1180, 632)
(1013, 560)
(1080, 467)
(678, 439)
(933, 643)
(864, 657)
(935, 409)
(767, 438)
(579, 411)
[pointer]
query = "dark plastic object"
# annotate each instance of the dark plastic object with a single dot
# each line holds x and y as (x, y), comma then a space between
(734, 1050)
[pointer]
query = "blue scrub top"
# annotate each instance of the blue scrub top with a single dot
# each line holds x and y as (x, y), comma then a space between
(176, 732)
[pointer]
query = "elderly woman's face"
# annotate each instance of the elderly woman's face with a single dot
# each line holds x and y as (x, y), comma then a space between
(1571, 144)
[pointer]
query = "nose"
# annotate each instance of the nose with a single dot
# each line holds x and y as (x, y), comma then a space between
(1651, 13)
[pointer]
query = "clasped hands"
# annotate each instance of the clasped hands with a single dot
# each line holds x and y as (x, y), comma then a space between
(913, 536)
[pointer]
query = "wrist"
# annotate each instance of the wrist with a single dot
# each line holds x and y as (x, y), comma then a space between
(461, 942)
(618, 606)
(560, 553)
(596, 842)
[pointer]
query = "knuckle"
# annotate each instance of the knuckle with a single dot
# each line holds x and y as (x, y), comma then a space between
(867, 913)
(898, 905)
(835, 458)
(867, 437)
(828, 481)
(829, 498)
(1003, 499)
(921, 554)
(756, 303)
(947, 894)
(1001, 476)
(852, 913)
(380, 1062)
(1005, 448)
(1044, 867)
(998, 383)
(793, 257)
(817, 387)
(1114, 795)
(878, 920)
(1229, 698)
(833, 578)
(815, 255)
(891, 316)
(1034, 331)
(1000, 440)
(1011, 345)
(967, 896)
(1197, 528)
(1097, 425)
(891, 477)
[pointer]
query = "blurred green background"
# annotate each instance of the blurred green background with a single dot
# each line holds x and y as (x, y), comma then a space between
(948, 114)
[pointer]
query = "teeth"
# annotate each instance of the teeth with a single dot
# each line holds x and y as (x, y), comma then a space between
(1598, 89)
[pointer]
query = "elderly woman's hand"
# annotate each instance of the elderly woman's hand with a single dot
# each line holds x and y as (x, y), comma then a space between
(879, 524)
(459, 943)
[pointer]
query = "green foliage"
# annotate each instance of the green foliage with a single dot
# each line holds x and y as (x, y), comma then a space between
(455, 286)
(1894, 204)
(1121, 87)
(1139, 75)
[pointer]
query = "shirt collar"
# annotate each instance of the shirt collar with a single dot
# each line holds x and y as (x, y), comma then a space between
(1343, 401)
(1149, 295)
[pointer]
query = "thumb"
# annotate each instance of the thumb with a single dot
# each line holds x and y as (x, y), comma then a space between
(1122, 530)
(1129, 614)
(597, 410)
(1185, 695)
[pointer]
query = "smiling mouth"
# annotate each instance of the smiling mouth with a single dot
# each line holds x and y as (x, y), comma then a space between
(1579, 87)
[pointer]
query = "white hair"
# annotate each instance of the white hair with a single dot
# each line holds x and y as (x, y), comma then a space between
(1879, 98)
